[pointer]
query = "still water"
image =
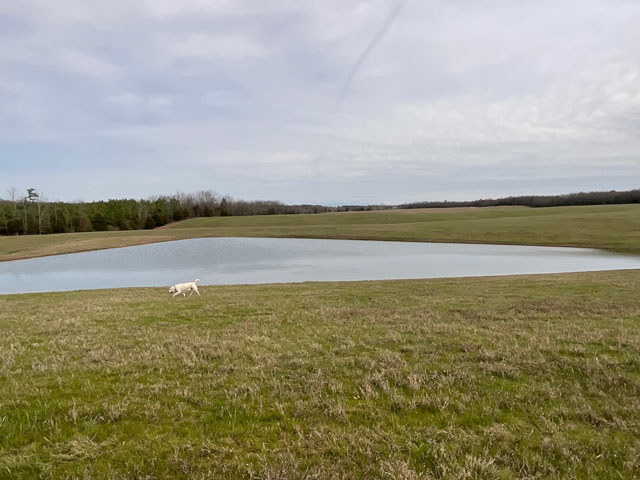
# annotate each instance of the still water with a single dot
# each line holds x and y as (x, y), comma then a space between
(217, 261)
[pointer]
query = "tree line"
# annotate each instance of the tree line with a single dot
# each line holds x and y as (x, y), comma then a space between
(582, 198)
(30, 213)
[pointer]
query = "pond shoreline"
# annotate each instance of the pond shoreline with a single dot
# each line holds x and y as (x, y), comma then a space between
(243, 260)
(611, 228)
(152, 240)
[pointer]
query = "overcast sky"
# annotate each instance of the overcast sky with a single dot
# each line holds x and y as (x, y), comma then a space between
(319, 101)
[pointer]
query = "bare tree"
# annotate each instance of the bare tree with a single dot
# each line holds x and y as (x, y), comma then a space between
(13, 193)
(25, 221)
(142, 213)
(207, 200)
(39, 200)
(44, 215)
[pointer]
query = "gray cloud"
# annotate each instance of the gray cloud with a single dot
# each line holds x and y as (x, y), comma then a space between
(459, 99)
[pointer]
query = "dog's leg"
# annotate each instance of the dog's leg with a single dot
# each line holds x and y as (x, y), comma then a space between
(177, 293)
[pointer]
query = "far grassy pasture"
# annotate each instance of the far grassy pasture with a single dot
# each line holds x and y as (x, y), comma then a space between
(611, 227)
(614, 227)
(532, 377)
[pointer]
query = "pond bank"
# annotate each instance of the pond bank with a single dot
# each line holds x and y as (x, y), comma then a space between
(223, 261)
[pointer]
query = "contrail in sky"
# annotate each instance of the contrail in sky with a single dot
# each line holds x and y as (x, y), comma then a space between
(393, 14)
(391, 17)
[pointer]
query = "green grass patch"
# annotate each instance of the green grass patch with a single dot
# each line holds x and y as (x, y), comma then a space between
(501, 377)
(610, 227)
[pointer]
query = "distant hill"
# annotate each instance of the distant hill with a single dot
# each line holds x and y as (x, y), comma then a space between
(570, 199)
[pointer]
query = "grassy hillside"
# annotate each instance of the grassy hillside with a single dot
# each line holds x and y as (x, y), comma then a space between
(612, 227)
(615, 227)
(505, 377)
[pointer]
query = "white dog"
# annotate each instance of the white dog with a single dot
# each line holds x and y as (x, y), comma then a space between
(180, 288)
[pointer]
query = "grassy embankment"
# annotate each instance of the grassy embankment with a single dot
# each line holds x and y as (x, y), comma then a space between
(512, 377)
(611, 227)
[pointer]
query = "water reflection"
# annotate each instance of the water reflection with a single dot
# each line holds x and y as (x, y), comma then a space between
(266, 260)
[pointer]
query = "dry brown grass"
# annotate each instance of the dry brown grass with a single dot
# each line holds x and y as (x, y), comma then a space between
(520, 377)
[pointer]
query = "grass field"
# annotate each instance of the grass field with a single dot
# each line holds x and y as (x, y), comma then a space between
(611, 227)
(503, 377)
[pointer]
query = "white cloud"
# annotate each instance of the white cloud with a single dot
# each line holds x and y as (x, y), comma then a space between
(85, 64)
(125, 99)
(249, 93)
(136, 101)
(206, 46)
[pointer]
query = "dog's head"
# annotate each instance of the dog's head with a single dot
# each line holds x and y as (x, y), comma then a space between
(172, 290)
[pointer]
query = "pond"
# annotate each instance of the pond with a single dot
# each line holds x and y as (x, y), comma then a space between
(217, 261)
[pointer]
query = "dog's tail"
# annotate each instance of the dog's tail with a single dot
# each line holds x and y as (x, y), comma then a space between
(197, 280)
